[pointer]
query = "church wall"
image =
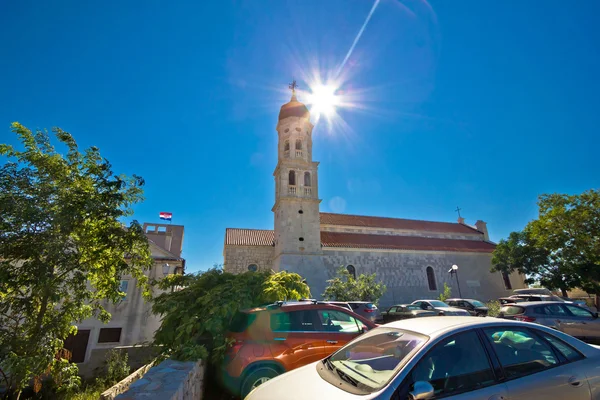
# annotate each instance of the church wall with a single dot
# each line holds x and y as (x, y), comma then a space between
(399, 232)
(404, 273)
(237, 258)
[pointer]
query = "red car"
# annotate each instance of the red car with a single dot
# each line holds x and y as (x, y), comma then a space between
(271, 340)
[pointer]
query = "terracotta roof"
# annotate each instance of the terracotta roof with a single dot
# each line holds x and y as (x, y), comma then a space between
(365, 241)
(395, 223)
(293, 109)
(249, 237)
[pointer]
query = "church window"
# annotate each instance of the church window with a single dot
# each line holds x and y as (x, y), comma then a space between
(351, 270)
(307, 179)
(298, 144)
(252, 267)
(286, 146)
(506, 279)
(292, 178)
(431, 279)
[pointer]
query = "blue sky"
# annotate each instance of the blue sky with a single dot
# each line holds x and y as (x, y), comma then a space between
(480, 104)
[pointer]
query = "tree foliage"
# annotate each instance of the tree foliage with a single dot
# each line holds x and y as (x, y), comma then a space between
(561, 248)
(446, 293)
(197, 316)
(62, 248)
(343, 287)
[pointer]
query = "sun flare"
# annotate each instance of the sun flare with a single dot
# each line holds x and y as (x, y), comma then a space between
(323, 100)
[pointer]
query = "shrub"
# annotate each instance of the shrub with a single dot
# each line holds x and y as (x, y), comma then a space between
(494, 307)
(447, 293)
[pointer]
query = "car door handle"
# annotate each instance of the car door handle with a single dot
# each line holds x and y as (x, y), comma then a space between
(574, 381)
(332, 341)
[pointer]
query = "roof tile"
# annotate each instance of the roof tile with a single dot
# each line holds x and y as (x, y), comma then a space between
(395, 223)
(249, 237)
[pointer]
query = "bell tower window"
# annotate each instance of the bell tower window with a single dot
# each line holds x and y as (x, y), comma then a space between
(307, 179)
(298, 144)
(292, 178)
(286, 146)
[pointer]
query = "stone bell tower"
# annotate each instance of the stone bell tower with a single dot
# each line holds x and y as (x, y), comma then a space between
(296, 209)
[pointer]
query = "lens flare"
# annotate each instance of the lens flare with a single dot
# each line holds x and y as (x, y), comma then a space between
(323, 100)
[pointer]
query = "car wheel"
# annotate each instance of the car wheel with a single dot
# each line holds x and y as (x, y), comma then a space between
(441, 314)
(257, 378)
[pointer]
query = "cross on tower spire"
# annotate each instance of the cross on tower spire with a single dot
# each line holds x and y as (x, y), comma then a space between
(458, 211)
(292, 86)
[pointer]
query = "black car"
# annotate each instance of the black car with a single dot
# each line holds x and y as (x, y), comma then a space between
(404, 311)
(474, 307)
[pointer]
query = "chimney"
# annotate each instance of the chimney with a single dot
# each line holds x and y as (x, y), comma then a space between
(482, 227)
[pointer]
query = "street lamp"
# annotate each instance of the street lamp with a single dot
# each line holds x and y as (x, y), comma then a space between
(454, 270)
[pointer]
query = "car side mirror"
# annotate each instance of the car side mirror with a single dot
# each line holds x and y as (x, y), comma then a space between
(422, 390)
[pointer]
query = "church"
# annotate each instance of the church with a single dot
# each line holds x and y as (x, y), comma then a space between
(412, 258)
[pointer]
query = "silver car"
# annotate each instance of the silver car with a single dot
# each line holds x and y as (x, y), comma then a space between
(439, 306)
(568, 318)
(464, 358)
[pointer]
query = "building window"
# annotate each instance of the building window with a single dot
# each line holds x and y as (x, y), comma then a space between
(431, 279)
(109, 335)
(123, 288)
(292, 178)
(252, 267)
(506, 279)
(286, 146)
(298, 144)
(351, 270)
(307, 179)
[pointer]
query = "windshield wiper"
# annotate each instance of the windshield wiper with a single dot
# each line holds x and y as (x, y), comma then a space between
(346, 377)
(329, 364)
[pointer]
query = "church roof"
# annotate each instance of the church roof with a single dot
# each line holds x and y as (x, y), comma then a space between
(293, 109)
(395, 242)
(395, 223)
(249, 237)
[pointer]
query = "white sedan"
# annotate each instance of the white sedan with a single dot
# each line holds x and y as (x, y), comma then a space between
(463, 358)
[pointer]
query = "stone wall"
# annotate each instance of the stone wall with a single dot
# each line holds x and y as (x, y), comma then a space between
(137, 356)
(169, 380)
(237, 258)
(124, 384)
(404, 273)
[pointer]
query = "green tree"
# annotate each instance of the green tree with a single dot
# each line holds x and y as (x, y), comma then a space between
(62, 248)
(197, 316)
(561, 248)
(343, 287)
(446, 293)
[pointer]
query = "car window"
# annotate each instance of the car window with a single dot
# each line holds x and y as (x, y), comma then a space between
(566, 350)
(393, 309)
(374, 359)
(337, 321)
(437, 303)
(512, 310)
(294, 321)
(452, 303)
(457, 364)
(520, 352)
(578, 311)
(477, 303)
(555, 309)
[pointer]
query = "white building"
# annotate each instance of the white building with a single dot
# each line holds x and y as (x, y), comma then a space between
(132, 324)
(411, 257)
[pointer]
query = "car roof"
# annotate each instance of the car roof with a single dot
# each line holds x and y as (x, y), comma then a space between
(435, 326)
(538, 303)
(457, 298)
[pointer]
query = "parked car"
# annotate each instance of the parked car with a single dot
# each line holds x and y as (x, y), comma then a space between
(342, 304)
(464, 358)
(404, 311)
(365, 309)
(271, 340)
(510, 300)
(439, 306)
(532, 291)
(568, 318)
(473, 307)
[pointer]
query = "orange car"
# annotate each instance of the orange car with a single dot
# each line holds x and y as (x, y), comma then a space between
(271, 340)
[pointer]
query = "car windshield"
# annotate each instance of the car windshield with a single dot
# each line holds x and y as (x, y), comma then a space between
(477, 303)
(437, 303)
(373, 360)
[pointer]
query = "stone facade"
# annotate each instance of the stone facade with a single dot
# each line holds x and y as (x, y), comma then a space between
(169, 380)
(239, 258)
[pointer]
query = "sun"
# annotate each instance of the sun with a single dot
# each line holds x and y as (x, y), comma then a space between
(323, 100)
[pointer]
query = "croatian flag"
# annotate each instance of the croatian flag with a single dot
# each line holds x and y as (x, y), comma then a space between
(166, 216)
